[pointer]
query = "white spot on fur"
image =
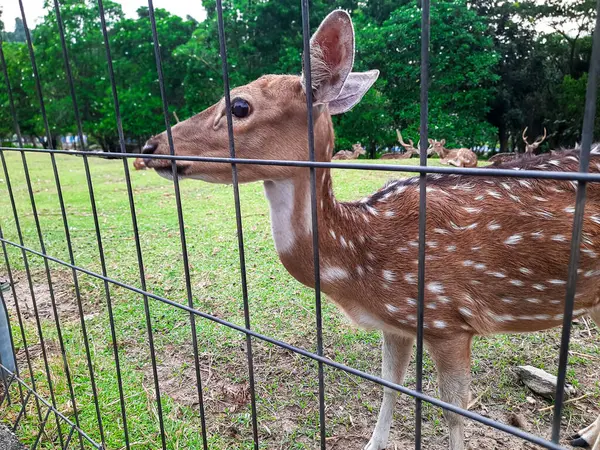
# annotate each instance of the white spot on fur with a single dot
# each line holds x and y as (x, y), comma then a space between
(435, 287)
(431, 305)
(411, 301)
(443, 299)
(439, 324)
(332, 233)
(494, 194)
(539, 287)
(360, 270)
(413, 243)
(507, 300)
(514, 239)
(590, 253)
(370, 256)
(390, 213)
(533, 300)
(343, 241)
(451, 248)
(525, 270)
(411, 317)
(467, 263)
(465, 311)
(410, 278)
(479, 266)
(570, 209)
(389, 275)
(334, 273)
(557, 282)
(525, 183)
(537, 235)
(440, 231)
(402, 249)
(392, 308)
(558, 317)
(540, 199)
(472, 210)
(516, 282)
(493, 226)
(496, 274)
(559, 238)
(432, 244)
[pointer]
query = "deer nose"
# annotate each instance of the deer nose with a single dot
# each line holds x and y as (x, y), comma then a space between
(149, 148)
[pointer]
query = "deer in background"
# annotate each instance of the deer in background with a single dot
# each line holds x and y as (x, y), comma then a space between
(476, 282)
(409, 148)
(347, 154)
(459, 157)
(530, 149)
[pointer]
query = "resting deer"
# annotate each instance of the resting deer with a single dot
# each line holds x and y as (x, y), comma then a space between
(482, 276)
(530, 149)
(347, 154)
(459, 157)
(409, 148)
(139, 164)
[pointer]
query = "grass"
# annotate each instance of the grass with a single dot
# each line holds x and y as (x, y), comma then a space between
(286, 384)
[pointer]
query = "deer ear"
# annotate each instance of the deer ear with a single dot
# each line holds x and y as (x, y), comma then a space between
(443, 142)
(331, 56)
(356, 85)
(430, 141)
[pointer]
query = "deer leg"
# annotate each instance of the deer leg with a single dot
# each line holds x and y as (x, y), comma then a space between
(453, 363)
(590, 435)
(397, 351)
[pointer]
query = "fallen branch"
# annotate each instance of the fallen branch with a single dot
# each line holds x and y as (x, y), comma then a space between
(548, 408)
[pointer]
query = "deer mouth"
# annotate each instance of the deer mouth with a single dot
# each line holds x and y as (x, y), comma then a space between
(164, 168)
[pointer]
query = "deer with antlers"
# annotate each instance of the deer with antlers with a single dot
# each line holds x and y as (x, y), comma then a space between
(409, 148)
(530, 150)
(357, 150)
(481, 277)
(459, 157)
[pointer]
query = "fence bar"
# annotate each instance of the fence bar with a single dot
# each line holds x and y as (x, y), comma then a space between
(32, 391)
(238, 219)
(67, 234)
(584, 162)
(366, 376)
(313, 211)
(547, 174)
(184, 252)
(68, 440)
(22, 412)
(422, 212)
(42, 426)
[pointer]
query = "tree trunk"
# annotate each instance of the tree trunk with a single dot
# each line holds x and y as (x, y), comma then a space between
(503, 138)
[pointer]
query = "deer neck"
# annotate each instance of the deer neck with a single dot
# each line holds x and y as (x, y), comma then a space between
(291, 216)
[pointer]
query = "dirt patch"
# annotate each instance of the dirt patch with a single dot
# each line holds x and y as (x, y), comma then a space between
(64, 296)
(36, 354)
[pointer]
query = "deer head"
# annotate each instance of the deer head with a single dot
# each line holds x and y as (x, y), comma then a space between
(437, 147)
(410, 146)
(358, 149)
(531, 148)
(269, 115)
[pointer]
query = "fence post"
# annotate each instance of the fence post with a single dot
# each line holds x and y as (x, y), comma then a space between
(6, 352)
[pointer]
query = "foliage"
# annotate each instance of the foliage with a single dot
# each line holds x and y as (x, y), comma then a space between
(493, 71)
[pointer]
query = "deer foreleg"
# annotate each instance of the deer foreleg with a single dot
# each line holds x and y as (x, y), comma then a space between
(397, 351)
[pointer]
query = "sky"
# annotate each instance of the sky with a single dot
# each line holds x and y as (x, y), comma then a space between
(34, 9)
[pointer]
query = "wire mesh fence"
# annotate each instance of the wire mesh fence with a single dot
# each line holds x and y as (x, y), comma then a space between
(30, 389)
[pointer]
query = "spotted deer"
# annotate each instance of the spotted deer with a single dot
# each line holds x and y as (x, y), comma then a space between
(530, 149)
(459, 157)
(482, 275)
(357, 150)
(409, 148)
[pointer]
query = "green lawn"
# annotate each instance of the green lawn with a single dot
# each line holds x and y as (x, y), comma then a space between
(286, 384)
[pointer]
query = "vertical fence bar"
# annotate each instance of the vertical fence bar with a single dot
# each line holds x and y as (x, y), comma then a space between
(20, 320)
(425, 33)
(313, 208)
(63, 211)
(584, 162)
(38, 322)
(238, 219)
(184, 252)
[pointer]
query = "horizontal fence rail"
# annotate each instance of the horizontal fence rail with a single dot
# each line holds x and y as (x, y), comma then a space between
(30, 392)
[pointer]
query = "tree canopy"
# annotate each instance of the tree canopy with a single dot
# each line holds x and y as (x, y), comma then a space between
(494, 68)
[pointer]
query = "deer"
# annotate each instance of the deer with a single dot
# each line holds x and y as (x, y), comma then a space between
(530, 150)
(476, 283)
(459, 157)
(139, 164)
(347, 154)
(409, 148)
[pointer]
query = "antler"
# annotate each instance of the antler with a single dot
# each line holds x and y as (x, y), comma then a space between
(538, 141)
(525, 137)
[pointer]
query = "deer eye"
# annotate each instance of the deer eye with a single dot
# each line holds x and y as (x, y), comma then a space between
(240, 108)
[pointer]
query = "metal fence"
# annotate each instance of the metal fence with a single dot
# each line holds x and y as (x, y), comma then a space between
(19, 378)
